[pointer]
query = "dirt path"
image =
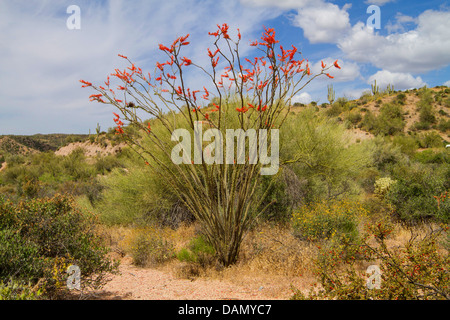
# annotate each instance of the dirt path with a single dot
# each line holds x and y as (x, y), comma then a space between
(152, 284)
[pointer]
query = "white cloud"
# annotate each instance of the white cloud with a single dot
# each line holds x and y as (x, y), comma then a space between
(401, 21)
(378, 2)
(303, 97)
(401, 81)
(423, 49)
(354, 93)
(447, 83)
(42, 61)
(323, 22)
(349, 70)
(284, 4)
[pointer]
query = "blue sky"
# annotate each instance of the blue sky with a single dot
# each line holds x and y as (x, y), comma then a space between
(41, 60)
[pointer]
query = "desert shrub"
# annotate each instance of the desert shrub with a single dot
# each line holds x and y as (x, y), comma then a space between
(326, 220)
(281, 195)
(337, 107)
(316, 149)
(369, 121)
(444, 125)
(198, 251)
(106, 164)
(417, 270)
(446, 102)
(390, 120)
(138, 196)
(429, 140)
(421, 126)
(400, 98)
(408, 144)
(150, 246)
(412, 195)
(384, 154)
(425, 108)
(16, 290)
(40, 238)
(432, 156)
(354, 117)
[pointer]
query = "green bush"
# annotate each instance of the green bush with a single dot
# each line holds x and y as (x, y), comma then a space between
(15, 290)
(412, 197)
(317, 150)
(430, 140)
(327, 220)
(416, 271)
(425, 108)
(390, 120)
(354, 117)
(40, 238)
(444, 125)
(431, 156)
(408, 144)
(198, 251)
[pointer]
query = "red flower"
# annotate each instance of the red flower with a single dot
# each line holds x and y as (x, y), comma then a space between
(214, 62)
(206, 95)
(164, 48)
(122, 56)
(86, 84)
(336, 64)
(329, 76)
(323, 65)
(186, 61)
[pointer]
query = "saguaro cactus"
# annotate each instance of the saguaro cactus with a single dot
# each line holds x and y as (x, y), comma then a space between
(375, 88)
(331, 94)
(390, 89)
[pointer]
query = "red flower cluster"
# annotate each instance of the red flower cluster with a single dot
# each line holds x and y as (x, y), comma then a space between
(222, 30)
(119, 124)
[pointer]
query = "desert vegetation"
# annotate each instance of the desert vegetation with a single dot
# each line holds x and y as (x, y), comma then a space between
(360, 182)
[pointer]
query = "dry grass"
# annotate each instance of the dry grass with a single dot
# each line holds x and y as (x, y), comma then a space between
(272, 260)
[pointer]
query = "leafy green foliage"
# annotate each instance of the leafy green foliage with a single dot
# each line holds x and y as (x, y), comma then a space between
(40, 238)
(416, 271)
(198, 251)
(326, 220)
(412, 195)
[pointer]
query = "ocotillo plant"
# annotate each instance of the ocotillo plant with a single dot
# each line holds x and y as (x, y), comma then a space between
(249, 94)
(331, 94)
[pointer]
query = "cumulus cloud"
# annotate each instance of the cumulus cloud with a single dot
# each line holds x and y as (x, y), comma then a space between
(42, 60)
(284, 4)
(400, 81)
(416, 51)
(401, 21)
(323, 22)
(349, 70)
(447, 83)
(303, 97)
(378, 2)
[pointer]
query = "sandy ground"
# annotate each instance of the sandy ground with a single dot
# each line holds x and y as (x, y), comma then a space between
(91, 150)
(135, 283)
